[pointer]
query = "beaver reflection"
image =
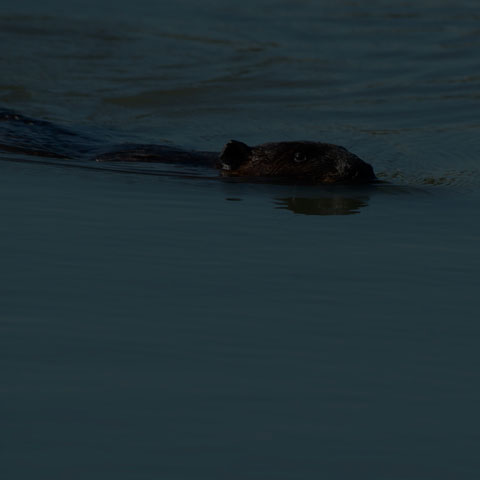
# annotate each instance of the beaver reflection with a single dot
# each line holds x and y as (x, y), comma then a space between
(335, 205)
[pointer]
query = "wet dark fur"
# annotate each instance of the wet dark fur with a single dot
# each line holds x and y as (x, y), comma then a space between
(305, 162)
(292, 162)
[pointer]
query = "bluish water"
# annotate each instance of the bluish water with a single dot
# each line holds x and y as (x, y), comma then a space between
(159, 326)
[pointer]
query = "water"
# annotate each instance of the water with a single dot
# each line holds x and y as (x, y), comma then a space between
(162, 326)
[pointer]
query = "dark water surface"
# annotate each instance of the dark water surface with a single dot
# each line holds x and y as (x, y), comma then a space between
(161, 324)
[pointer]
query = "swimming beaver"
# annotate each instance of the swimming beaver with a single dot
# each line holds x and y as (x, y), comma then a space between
(299, 162)
(292, 162)
(305, 162)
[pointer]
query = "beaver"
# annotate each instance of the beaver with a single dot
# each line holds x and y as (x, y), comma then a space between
(298, 162)
(290, 162)
(302, 162)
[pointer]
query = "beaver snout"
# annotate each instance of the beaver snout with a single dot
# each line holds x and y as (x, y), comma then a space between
(233, 155)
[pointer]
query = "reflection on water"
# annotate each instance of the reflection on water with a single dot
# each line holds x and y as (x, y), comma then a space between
(336, 205)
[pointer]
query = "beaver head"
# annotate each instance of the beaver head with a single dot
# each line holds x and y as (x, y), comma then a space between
(305, 162)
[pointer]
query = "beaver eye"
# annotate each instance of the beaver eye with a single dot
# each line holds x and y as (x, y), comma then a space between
(299, 157)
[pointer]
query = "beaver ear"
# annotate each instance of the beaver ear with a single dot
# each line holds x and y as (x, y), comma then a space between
(233, 155)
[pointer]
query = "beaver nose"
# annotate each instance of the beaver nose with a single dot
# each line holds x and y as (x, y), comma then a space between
(233, 155)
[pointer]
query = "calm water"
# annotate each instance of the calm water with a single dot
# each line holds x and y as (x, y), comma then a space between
(158, 326)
